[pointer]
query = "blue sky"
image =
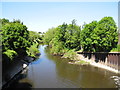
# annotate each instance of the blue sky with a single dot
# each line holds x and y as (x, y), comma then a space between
(39, 16)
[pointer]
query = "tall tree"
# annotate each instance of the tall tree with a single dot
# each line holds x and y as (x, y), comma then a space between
(15, 37)
(72, 36)
(86, 36)
(105, 36)
(49, 35)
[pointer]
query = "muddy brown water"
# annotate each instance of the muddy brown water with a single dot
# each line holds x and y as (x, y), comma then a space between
(54, 72)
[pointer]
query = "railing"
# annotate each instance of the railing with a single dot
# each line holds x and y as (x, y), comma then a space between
(111, 59)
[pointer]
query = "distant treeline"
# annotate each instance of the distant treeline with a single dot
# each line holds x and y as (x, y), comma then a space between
(17, 40)
(97, 36)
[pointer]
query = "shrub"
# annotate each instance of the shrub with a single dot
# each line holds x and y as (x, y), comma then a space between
(33, 50)
(71, 54)
(117, 49)
(10, 54)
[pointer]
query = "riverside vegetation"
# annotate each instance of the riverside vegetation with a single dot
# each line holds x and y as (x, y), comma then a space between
(65, 40)
(17, 41)
(97, 36)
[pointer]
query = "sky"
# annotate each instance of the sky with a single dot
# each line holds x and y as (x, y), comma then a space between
(40, 16)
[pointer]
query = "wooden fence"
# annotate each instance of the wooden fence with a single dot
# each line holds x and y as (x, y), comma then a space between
(111, 59)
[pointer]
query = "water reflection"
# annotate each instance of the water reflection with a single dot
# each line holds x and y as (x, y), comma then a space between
(81, 76)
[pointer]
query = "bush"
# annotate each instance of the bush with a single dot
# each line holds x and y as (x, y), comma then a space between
(33, 50)
(70, 54)
(10, 53)
(58, 48)
(117, 49)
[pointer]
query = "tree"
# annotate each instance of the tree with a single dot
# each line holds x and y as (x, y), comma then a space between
(58, 41)
(15, 37)
(63, 38)
(49, 35)
(34, 37)
(72, 36)
(17, 21)
(18, 41)
(105, 36)
(4, 21)
(86, 36)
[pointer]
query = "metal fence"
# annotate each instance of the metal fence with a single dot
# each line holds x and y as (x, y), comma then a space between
(111, 59)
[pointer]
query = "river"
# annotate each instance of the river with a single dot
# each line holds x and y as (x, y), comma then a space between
(50, 71)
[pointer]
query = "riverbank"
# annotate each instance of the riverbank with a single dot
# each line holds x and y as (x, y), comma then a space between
(93, 63)
(104, 60)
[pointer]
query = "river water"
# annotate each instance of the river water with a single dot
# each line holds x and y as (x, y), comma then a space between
(54, 72)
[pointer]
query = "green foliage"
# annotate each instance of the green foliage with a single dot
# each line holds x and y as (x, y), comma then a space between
(33, 50)
(117, 49)
(15, 37)
(105, 36)
(101, 36)
(4, 21)
(71, 54)
(0, 39)
(72, 36)
(34, 37)
(58, 40)
(63, 38)
(49, 35)
(86, 36)
(17, 21)
(10, 53)
(17, 40)
(58, 48)
(96, 36)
